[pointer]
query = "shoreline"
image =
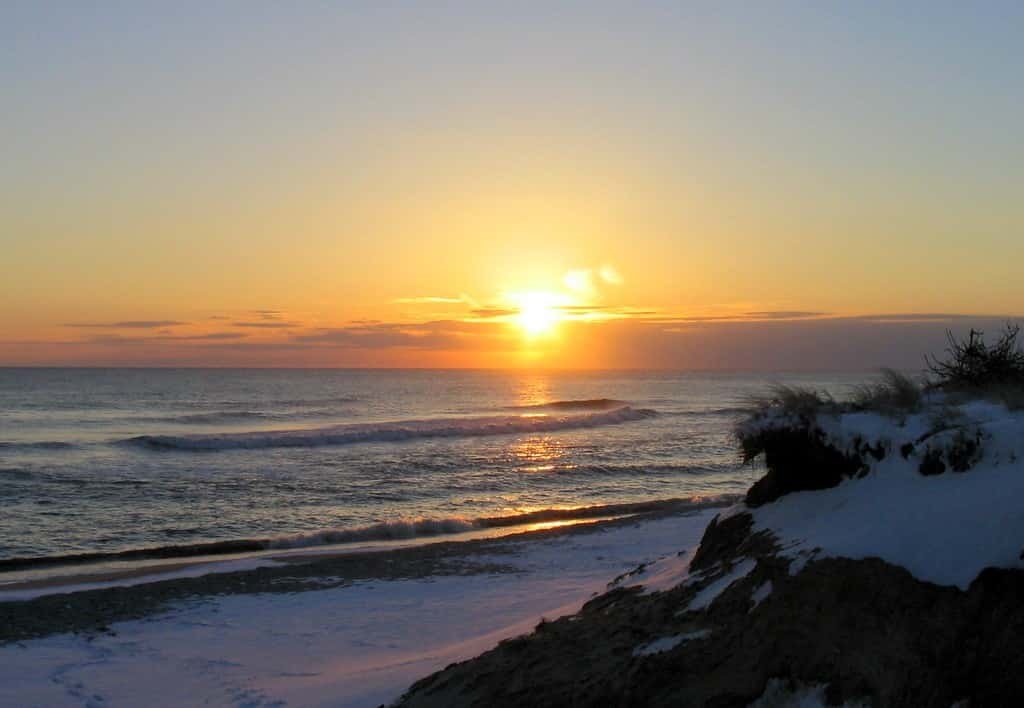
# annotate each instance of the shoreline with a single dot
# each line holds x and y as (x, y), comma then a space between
(380, 535)
(103, 575)
(92, 610)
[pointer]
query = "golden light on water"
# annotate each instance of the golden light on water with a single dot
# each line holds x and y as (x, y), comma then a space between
(537, 454)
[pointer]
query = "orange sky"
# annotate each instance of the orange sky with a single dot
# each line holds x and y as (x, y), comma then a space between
(347, 186)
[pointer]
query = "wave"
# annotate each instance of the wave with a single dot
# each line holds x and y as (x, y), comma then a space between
(638, 469)
(237, 416)
(41, 445)
(383, 531)
(582, 404)
(727, 410)
(15, 473)
(415, 528)
(390, 432)
(397, 529)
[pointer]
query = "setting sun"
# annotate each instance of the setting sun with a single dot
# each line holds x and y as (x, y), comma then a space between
(538, 312)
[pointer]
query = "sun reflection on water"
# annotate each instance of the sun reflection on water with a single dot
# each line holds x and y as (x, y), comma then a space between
(537, 453)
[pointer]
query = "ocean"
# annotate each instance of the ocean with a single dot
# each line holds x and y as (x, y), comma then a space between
(168, 461)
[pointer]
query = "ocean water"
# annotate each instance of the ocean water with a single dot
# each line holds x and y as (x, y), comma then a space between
(111, 460)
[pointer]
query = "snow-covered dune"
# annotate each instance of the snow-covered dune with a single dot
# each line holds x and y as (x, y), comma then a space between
(939, 492)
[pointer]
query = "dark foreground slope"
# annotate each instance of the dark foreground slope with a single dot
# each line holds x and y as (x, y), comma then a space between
(866, 629)
(796, 611)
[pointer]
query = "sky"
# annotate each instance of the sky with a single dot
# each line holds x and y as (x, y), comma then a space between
(778, 185)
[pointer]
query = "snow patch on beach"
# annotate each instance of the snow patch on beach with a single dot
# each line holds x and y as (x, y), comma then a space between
(359, 645)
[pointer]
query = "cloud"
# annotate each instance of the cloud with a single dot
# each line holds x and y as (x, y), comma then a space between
(836, 343)
(784, 314)
(493, 312)
(753, 317)
(116, 339)
(580, 280)
(207, 337)
(922, 317)
(585, 308)
(440, 334)
(610, 275)
(267, 314)
(128, 324)
(586, 281)
(262, 324)
(429, 299)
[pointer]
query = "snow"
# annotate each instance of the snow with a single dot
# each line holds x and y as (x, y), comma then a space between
(669, 643)
(779, 694)
(666, 573)
(360, 645)
(761, 593)
(944, 529)
(706, 596)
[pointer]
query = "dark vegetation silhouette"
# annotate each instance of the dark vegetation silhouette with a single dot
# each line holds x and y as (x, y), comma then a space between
(798, 455)
(971, 368)
(972, 365)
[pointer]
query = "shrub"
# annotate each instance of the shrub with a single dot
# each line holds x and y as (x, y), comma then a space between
(973, 365)
(962, 453)
(798, 459)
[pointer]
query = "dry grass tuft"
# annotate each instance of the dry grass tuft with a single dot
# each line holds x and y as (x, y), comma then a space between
(793, 400)
(895, 393)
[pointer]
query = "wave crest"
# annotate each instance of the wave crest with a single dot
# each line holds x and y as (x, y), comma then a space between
(392, 431)
(582, 404)
(415, 528)
(382, 531)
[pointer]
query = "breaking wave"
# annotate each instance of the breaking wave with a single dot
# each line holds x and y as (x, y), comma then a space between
(584, 404)
(397, 529)
(392, 431)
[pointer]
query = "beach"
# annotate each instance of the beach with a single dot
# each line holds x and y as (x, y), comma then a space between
(350, 630)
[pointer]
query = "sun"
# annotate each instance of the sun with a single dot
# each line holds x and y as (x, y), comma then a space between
(538, 313)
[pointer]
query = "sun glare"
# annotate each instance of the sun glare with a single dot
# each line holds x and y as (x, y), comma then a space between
(538, 313)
